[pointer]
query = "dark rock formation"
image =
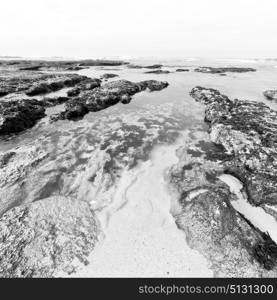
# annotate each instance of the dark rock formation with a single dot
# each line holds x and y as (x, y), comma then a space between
(75, 68)
(47, 237)
(182, 70)
(131, 66)
(31, 68)
(99, 62)
(35, 83)
(271, 94)
(16, 116)
(85, 85)
(232, 245)
(105, 96)
(156, 66)
(248, 132)
(108, 76)
(48, 102)
(152, 85)
(54, 84)
(60, 64)
(19, 179)
(213, 70)
(157, 72)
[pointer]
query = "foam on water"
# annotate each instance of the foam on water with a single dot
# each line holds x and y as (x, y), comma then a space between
(256, 215)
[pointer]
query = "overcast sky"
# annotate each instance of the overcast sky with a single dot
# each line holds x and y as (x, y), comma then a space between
(139, 28)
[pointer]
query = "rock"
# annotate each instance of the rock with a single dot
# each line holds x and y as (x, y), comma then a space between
(48, 102)
(213, 70)
(16, 116)
(4, 92)
(31, 68)
(55, 84)
(20, 179)
(108, 94)
(75, 68)
(157, 72)
(248, 132)
(182, 70)
(99, 62)
(131, 66)
(229, 242)
(74, 92)
(156, 66)
(40, 88)
(71, 65)
(35, 83)
(271, 94)
(108, 75)
(204, 211)
(4, 158)
(75, 110)
(47, 237)
(85, 85)
(153, 85)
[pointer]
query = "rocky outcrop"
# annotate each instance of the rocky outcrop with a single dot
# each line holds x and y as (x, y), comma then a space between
(271, 95)
(75, 68)
(157, 72)
(102, 62)
(105, 96)
(36, 83)
(221, 70)
(205, 212)
(71, 65)
(155, 66)
(85, 85)
(53, 85)
(19, 113)
(49, 102)
(225, 237)
(182, 70)
(31, 68)
(46, 238)
(247, 131)
(19, 179)
(16, 116)
(108, 76)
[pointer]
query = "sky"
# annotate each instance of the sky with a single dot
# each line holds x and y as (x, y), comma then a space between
(139, 28)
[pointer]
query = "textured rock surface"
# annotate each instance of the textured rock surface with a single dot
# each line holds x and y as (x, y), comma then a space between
(157, 72)
(212, 225)
(16, 116)
(105, 96)
(182, 70)
(15, 167)
(271, 94)
(35, 83)
(46, 237)
(215, 229)
(155, 66)
(248, 132)
(71, 65)
(85, 85)
(55, 84)
(213, 70)
(108, 76)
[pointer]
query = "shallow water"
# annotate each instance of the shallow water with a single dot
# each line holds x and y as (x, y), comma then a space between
(140, 234)
(115, 159)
